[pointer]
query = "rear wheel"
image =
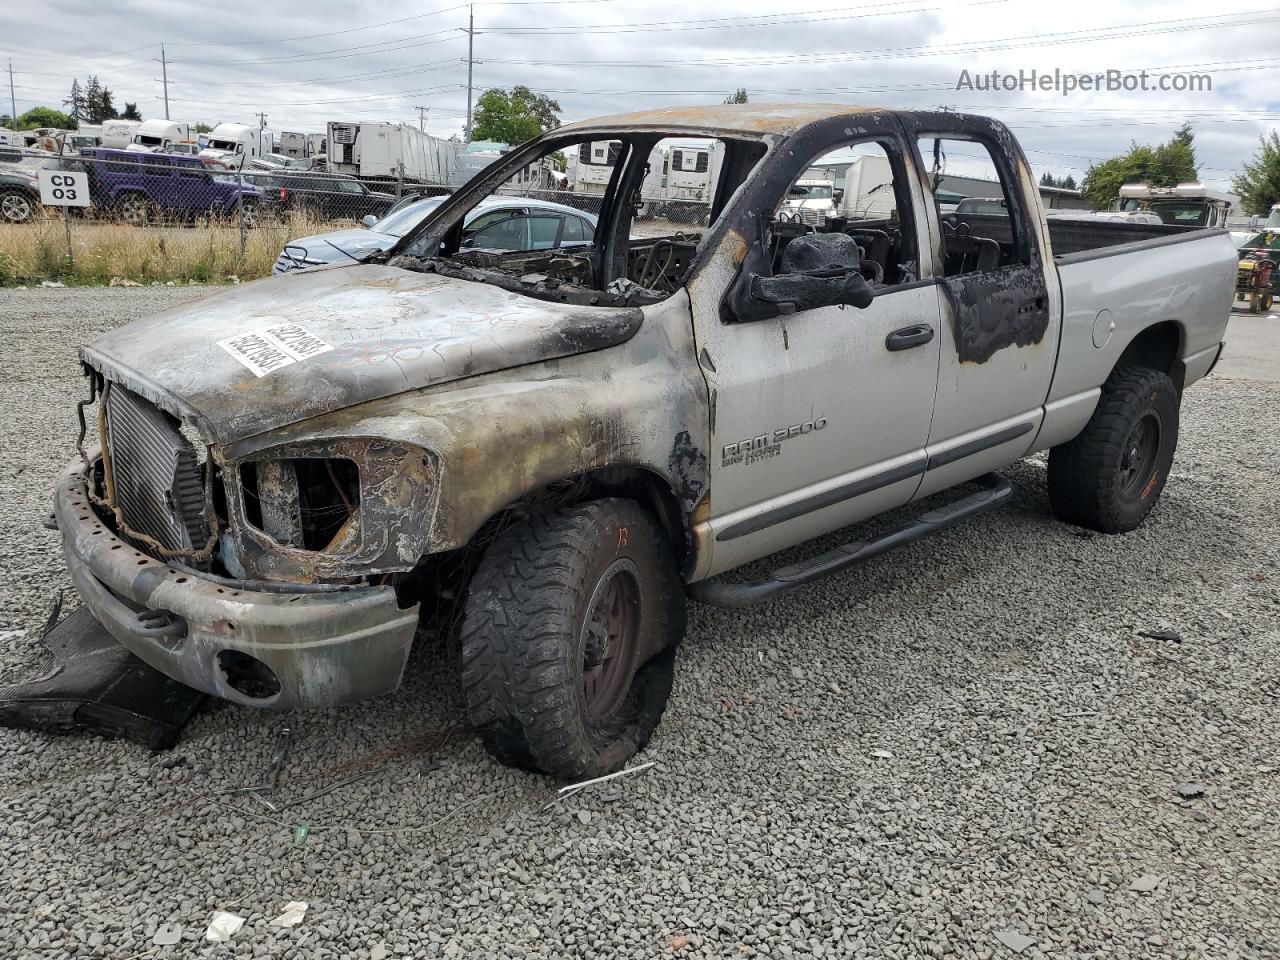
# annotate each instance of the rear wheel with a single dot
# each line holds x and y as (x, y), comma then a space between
(569, 637)
(1110, 476)
(134, 209)
(16, 206)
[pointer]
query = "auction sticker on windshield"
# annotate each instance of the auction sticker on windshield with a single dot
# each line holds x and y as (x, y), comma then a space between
(274, 346)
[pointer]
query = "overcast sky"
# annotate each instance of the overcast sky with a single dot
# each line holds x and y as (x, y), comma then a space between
(306, 63)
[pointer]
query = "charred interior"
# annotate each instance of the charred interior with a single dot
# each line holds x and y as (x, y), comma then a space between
(615, 267)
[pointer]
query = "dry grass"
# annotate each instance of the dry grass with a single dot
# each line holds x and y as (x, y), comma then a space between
(103, 252)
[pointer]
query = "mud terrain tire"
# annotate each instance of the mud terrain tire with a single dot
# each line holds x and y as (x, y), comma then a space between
(1110, 476)
(569, 636)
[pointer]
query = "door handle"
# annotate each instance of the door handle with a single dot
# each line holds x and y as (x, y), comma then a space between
(908, 337)
(1031, 306)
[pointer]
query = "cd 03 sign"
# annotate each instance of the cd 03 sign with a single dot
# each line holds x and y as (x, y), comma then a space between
(62, 188)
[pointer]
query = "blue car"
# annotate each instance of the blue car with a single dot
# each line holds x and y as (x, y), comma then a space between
(502, 224)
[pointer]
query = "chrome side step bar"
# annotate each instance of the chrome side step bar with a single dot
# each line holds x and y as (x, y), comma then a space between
(996, 490)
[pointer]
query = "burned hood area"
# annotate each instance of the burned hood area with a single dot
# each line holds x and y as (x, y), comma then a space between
(282, 350)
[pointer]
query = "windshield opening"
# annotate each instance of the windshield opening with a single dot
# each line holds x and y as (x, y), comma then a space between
(1187, 213)
(399, 222)
(148, 141)
(616, 221)
(811, 192)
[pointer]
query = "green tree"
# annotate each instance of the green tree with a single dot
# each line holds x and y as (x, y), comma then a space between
(130, 112)
(98, 105)
(514, 117)
(76, 102)
(1163, 165)
(200, 127)
(38, 117)
(739, 96)
(1068, 182)
(1258, 182)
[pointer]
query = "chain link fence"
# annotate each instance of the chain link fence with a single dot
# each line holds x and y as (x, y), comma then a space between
(156, 217)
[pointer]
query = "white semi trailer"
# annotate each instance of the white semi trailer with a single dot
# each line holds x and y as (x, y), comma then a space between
(118, 134)
(389, 151)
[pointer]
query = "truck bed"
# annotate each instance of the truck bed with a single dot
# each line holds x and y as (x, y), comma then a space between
(1075, 240)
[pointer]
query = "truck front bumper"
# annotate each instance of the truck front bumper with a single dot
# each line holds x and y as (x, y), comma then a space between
(285, 648)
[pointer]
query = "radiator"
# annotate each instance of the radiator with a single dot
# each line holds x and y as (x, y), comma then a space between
(155, 473)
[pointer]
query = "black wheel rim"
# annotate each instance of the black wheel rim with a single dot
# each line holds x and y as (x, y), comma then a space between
(1139, 457)
(608, 642)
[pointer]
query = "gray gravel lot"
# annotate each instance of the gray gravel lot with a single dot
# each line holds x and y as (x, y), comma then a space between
(966, 738)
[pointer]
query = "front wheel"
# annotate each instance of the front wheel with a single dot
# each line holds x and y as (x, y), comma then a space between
(568, 638)
(16, 206)
(1110, 476)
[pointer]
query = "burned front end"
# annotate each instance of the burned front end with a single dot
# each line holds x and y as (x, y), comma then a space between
(257, 574)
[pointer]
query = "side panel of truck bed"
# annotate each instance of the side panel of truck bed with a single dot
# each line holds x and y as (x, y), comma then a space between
(1189, 281)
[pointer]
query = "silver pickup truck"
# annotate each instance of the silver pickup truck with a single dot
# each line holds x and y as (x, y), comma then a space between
(556, 447)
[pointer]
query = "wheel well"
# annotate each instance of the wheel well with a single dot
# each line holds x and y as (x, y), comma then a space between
(1156, 347)
(647, 488)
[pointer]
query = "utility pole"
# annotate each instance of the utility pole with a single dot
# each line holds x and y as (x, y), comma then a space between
(262, 121)
(164, 74)
(13, 101)
(422, 116)
(471, 47)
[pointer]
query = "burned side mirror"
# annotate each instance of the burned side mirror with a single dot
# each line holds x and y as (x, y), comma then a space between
(795, 292)
(815, 270)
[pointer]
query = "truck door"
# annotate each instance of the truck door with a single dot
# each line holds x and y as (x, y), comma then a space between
(819, 416)
(1001, 302)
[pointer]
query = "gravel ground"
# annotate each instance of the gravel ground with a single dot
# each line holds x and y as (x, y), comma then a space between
(968, 739)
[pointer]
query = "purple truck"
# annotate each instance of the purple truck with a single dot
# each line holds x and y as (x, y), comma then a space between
(137, 187)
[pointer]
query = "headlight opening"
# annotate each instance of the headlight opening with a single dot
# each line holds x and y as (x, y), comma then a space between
(310, 503)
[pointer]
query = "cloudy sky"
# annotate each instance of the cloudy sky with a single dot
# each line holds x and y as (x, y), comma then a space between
(305, 64)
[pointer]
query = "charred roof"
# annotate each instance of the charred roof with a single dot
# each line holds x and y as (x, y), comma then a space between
(781, 119)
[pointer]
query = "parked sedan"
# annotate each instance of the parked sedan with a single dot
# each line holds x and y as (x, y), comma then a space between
(19, 195)
(498, 223)
(331, 196)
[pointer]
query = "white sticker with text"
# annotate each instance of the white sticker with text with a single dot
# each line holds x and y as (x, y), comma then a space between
(274, 346)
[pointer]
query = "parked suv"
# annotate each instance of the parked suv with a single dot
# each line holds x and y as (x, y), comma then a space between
(138, 187)
(19, 195)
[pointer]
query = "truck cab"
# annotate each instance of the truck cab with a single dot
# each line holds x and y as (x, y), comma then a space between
(159, 136)
(557, 448)
(229, 144)
(1187, 204)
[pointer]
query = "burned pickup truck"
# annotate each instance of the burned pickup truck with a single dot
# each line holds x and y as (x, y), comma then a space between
(569, 442)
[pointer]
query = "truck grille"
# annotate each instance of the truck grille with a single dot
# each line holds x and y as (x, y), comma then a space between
(154, 472)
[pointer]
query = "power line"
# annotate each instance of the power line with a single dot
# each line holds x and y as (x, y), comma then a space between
(388, 23)
(308, 103)
(723, 23)
(1067, 37)
(361, 51)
